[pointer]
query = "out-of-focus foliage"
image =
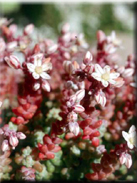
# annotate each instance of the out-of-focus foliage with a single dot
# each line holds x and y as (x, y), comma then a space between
(83, 17)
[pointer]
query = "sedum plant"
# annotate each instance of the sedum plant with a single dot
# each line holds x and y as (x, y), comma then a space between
(65, 107)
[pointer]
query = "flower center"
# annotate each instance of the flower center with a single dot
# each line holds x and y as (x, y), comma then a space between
(105, 76)
(38, 70)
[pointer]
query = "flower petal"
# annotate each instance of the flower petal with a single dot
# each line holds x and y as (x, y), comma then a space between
(104, 83)
(114, 75)
(96, 76)
(131, 146)
(78, 108)
(98, 69)
(112, 81)
(44, 75)
(35, 75)
(107, 69)
(46, 66)
(125, 135)
(132, 129)
(31, 67)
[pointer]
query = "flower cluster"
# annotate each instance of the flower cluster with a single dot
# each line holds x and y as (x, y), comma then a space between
(68, 104)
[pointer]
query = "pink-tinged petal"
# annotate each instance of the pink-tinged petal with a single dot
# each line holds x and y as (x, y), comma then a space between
(122, 159)
(31, 67)
(114, 75)
(132, 129)
(88, 58)
(119, 82)
(125, 135)
(65, 28)
(46, 86)
(96, 76)
(21, 135)
(112, 81)
(128, 162)
(5, 146)
(36, 86)
(78, 108)
(44, 75)
(74, 128)
(128, 72)
(100, 98)
(35, 75)
(11, 46)
(29, 29)
(47, 66)
(104, 83)
(52, 49)
(69, 68)
(101, 36)
(98, 69)
(72, 100)
(80, 95)
(13, 141)
(107, 69)
(13, 61)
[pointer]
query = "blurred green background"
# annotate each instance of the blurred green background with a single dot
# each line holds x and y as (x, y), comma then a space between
(83, 17)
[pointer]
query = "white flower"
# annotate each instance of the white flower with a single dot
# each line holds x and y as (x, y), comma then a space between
(38, 69)
(131, 137)
(104, 75)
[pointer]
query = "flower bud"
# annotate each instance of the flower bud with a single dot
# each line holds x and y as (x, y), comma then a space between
(52, 49)
(29, 29)
(65, 28)
(21, 135)
(11, 46)
(5, 145)
(13, 141)
(13, 62)
(88, 58)
(45, 86)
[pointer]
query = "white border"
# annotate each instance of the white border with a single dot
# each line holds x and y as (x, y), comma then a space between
(70, 1)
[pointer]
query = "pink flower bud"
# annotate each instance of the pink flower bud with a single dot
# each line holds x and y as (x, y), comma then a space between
(5, 146)
(78, 108)
(88, 58)
(80, 95)
(68, 67)
(100, 98)
(11, 46)
(101, 36)
(36, 86)
(13, 61)
(128, 72)
(13, 28)
(52, 49)
(72, 117)
(21, 135)
(29, 29)
(126, 159)
(74, 128)
(65, 28)
(13, 141)
(46, 86)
